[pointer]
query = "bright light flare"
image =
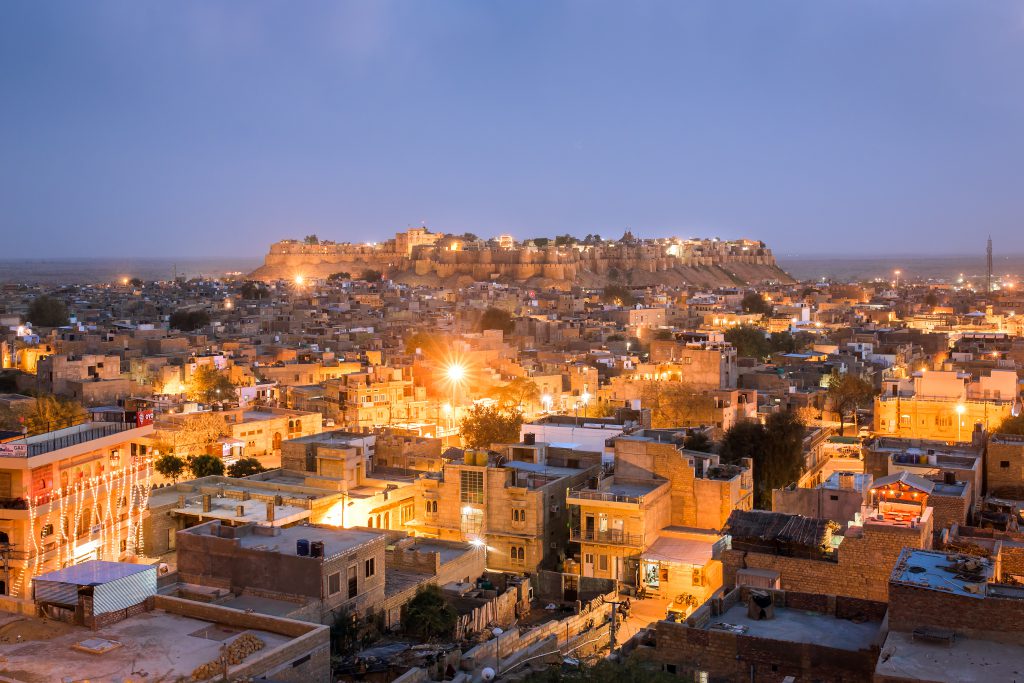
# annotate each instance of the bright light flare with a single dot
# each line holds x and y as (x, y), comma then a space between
(299, 280)
(455, 373)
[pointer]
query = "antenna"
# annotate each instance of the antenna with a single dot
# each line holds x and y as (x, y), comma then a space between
(988, 264)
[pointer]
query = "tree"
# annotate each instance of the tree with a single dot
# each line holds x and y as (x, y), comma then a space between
(782, 342)
(748, 340)
(170, 466)
(45, 414)
(1012, 425)
(663, 335)
(209, 385)
(428, 615)
(371, 275)
(677, 404)
(497, 319)
(245, 467)
(753, 302)
(197, 432)
(636, 669)
(188, 320)
(619, 295)
(469, 237)
(338, 277)
(206, 466)
(565, 240)
(484, 425)
(931, 299)
(136, 282)
(775, 447)
(311, 239)
(541, 242)
(697, 441)
(518, 392)
(253, 290)
(428, 343)
(46, 311)
(847, 391)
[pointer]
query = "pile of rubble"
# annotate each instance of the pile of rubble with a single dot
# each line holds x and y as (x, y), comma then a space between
(235, 653)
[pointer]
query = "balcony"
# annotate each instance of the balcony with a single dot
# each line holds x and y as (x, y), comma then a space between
(581, 495)
(607, 537)
(71, 436)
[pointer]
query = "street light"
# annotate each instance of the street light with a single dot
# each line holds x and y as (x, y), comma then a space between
(898, 273)
(299, 280)
(456, 373)
(546, 401)
(960, 410)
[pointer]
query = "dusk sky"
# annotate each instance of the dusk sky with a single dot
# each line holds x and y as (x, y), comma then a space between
(213, 129)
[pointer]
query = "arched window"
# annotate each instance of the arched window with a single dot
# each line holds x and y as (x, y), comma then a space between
(387, 521)
(369, 522)
(4, 539)
(522, 553)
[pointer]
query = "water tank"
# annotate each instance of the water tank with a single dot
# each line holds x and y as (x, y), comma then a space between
(316, 549)
(302, 547)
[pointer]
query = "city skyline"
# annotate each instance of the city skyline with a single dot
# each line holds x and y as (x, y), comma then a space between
(141, 130)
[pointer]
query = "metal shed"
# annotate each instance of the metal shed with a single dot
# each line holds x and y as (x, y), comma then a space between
(113, 585)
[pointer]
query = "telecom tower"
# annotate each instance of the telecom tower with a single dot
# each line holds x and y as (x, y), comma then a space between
(988, 265)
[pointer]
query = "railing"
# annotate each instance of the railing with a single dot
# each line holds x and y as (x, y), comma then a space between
(603, 496)
(96, 430)
(609, 536)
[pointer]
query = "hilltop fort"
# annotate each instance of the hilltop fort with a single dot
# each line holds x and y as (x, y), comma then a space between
(419, 256)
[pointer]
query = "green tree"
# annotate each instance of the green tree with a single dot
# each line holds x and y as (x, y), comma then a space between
(697, 441)
(620, 295)
(484, 425)
(775, 447)
(753, 302)
(136, 282)
(188, 320)
(170, 466)
(245, 467)
(311, 239)
(565, 240)
(45, 414)
(253, 290)
(371, 275)
(518, 392)
(663, 335)
(848, 392)
(748, 340)
(46, 311)
(469, 237)
(931, 299)
(497, 319)
(338, 277)
(636, 669)
(541, 242)
(209, 385)
(1011, 425)
(206, 466)
(782, 342)
(677, 404)
(428, 615)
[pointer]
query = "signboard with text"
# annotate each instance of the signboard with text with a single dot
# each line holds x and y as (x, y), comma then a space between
(13, 450)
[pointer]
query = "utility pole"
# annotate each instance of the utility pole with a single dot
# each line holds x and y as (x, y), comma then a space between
(611, 629)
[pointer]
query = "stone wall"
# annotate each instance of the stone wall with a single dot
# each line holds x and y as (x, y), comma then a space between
(865, 562)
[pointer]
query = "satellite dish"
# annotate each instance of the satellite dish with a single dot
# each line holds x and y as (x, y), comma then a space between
(487, 674)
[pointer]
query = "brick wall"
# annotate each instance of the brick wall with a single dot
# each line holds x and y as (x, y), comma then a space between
(1005, 481)
(863, 570)
(990, 618)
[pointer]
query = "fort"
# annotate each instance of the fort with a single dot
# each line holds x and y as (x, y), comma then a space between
(419, 256)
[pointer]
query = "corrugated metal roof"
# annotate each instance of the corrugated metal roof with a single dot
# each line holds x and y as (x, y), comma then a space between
(95, 572)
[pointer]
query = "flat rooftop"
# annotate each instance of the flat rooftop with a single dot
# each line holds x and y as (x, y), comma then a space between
(338, 438)
(253, 511)
(799, 626)
(964, 660)
(166, 646)
(336, 541)
(95, 572)
(943, 571)
(447, 550)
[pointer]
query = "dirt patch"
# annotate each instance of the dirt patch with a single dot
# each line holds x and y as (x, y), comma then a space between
(27, 629)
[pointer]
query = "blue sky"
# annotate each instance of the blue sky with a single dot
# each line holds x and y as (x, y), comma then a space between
(214, 128)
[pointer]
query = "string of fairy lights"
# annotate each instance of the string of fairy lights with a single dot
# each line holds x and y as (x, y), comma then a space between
(110, 506)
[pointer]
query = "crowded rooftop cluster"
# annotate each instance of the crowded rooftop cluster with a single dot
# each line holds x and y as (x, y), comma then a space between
(409, 463)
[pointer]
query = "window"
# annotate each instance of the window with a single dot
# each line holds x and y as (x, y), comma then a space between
(602, 562)
(518, 514)
(833, 497)
(334, 583)
(352, 586)
(47, 531)
(1004, 464)
(517, 554)
(124, 546)
(472, 485)
(370, 567)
